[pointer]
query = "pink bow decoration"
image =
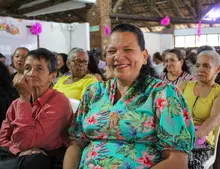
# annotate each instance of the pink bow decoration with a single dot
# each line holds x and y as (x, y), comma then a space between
(107, 30)
(199, 29)
(165, 21)
(36, 28)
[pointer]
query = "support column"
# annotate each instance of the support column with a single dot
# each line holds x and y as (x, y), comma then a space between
(99, 15)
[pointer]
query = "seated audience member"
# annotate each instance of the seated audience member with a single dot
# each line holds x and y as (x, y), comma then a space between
(18, 59)
(204, 48)
(7, 91)
(36, 122)
(203, 98)
(93, 67)
(158, 62)
(97, 54)
(190, 62)
(2, 58)
(176, 70)
(73, 86)
(133, 120)
(62, 65)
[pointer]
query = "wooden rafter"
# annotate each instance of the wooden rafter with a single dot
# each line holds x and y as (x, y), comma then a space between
(14, 6)
(153, 7)
(198, 7)
(177, 8)
(40, 6)
(175, 20)
(117, 5)
(190, 9)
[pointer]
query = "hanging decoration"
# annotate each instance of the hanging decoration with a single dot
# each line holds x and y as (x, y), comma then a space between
(36, 28)
(165, 21)
(8, 27)
(107, 31)
(199, 29)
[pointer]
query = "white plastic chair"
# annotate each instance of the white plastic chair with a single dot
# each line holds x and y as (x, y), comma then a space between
(74, 104)
(212, 158)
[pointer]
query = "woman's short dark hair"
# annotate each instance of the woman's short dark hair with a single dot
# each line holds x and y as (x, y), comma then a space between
(64, 68)
(93, 66)
(22, 48)
(191, 57)
(203, 48)
(47, 55)
(125, 27)
(180, 57)
(6, 79)
(158, 56)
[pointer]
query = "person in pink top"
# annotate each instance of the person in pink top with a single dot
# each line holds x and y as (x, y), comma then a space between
(36, 123)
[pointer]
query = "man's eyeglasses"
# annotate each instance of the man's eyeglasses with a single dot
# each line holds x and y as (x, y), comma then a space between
(79, 62)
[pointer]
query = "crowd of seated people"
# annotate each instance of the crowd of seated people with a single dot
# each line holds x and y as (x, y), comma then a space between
(141, 113)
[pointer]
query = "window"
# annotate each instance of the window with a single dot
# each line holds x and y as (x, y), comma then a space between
(195, 41)
(190, 41)
(179, 41)
(200, 41)
(212, 40)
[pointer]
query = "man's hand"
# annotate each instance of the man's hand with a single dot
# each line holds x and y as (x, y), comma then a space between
(24, 85)
(32, 151)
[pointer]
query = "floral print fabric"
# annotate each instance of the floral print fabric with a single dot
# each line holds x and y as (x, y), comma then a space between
(133, 132)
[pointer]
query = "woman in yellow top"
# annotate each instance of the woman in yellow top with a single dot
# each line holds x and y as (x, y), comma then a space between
(73, 86)
(203, 97)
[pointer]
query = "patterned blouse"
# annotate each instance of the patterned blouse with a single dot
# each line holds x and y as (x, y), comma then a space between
(133, 132)
(183, 77)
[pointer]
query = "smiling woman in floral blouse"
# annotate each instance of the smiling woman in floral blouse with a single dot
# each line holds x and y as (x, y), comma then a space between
(133, 121)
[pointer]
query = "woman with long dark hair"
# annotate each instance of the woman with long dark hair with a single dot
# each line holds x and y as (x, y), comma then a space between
(7, 92)
(62, 65)
(93, 67)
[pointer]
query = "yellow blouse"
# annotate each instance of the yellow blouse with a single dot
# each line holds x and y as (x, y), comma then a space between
(76, 89)
(201, 107)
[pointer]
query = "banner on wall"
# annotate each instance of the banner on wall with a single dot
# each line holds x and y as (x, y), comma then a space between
(10, 28)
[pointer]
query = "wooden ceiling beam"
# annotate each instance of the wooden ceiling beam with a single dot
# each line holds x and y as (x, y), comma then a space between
(177, 9)
(175, 20)
(152, 5)
(13, 8)
(117, 5)
(190, 9)
(198, 7)
(38, 6)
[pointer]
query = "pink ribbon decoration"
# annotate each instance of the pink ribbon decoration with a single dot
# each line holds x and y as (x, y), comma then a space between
(107, 30)
(165, 21)
(36, 28)
(199, 29)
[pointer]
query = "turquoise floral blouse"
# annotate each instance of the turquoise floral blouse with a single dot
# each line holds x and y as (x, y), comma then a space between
(132, 132)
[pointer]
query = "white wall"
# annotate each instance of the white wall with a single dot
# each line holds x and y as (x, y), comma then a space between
(152, 42)
(80, 36)
(155, 42)
(57, 37)
(193, 31)
(166, 42)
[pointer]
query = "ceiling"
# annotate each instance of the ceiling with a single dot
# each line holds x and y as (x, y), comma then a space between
(144, 13)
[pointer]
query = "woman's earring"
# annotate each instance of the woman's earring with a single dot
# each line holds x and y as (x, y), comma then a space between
(145, 62)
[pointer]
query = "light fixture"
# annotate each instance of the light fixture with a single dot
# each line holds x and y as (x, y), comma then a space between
(212, 13)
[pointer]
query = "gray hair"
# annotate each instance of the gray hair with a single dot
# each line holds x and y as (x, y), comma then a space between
(74, 52)
(213, 55)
